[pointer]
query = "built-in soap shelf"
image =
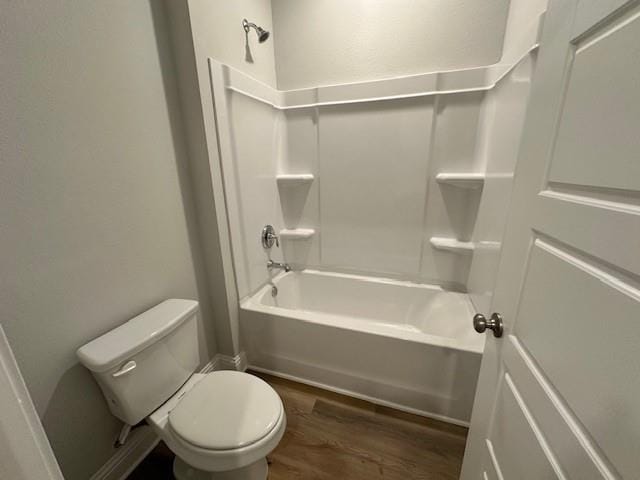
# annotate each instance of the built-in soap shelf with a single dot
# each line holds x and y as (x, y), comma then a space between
(468, 181)
(452, 245)
(294, 179)
(461, 180)
(297, 233)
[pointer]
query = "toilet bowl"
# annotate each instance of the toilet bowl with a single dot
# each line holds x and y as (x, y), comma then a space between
(220, 425)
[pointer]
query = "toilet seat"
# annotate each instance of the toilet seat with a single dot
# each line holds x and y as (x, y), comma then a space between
(207, 459)
(226, 410)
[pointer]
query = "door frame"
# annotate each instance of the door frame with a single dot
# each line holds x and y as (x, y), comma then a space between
(26, 453)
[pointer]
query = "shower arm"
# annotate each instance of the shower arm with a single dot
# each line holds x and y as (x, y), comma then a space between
(247, 25)
(260, 32)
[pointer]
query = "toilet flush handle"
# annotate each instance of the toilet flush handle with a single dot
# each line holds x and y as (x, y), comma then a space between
(126, 368)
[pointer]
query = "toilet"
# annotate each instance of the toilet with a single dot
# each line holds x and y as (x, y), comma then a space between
(220, 425)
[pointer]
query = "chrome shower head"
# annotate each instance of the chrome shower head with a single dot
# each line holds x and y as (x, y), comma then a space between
(262, 34)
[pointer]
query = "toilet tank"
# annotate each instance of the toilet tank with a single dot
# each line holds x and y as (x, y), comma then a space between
(142, 363)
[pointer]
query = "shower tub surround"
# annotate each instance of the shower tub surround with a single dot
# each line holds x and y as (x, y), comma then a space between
(379, 191)
(400, 344)
(368, 178)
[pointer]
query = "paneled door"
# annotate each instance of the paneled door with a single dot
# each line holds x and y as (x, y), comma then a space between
(559, 391)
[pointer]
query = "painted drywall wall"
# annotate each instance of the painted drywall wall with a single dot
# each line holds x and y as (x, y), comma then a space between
(323, 42)
(218, 33)
(200, 30)
(97, 221)
(192, 77)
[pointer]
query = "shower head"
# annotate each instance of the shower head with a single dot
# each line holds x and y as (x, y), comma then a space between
(260, 32)
(262, 35)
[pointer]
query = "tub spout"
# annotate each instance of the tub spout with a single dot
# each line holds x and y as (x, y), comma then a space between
(284, 266)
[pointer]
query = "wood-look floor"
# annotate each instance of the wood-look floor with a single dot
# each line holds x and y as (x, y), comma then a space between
(331, 436)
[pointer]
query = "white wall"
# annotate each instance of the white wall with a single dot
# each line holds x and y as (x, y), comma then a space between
(254, 126)
(321, 42)
(203, 29)
(97, 222)
(378, 203)
(503, 117)
(192, 77)
(327, 42)
(374, 203)
(374, 160)
(298, 153)
(501, 122)
(450, 211)
(218, 33)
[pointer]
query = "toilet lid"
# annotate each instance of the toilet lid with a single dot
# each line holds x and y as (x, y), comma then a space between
(226, 410)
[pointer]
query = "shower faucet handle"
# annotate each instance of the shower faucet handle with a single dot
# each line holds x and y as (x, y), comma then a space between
(269, 237)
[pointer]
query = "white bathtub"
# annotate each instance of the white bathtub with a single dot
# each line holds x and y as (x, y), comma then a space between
(399, 344)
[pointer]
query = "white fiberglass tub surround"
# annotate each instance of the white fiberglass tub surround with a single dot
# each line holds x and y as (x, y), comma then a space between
(402, 344)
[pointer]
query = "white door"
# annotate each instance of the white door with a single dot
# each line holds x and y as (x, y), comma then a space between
(559, 392)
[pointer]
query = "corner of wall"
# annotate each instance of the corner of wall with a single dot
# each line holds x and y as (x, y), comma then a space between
(190, 85)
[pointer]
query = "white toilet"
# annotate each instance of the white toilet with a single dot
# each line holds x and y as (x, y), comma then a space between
(220, 425)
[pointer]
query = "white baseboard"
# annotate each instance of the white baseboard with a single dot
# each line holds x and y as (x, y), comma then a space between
(211, 366)
(138, 445)
(226, 362)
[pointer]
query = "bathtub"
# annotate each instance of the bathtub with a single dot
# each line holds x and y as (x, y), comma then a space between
(400, 344)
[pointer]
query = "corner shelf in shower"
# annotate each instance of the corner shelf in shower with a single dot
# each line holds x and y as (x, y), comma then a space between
(461, 180)
(452, 245)
(297, 233)
(294, 179)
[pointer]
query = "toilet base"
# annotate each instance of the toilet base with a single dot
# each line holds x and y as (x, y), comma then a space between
(256, 471)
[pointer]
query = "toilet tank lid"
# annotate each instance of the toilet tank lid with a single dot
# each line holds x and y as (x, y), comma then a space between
(117, 345)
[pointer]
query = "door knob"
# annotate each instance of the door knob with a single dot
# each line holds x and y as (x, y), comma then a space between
(480, 323)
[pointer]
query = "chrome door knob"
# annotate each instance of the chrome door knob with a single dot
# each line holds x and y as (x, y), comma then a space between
(480, 323)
